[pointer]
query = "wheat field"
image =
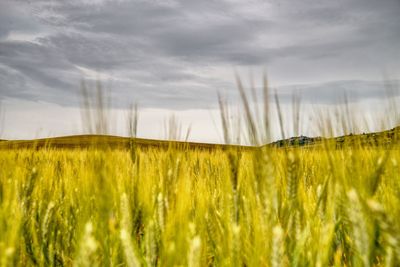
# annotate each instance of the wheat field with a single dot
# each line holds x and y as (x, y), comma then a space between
(171, 207)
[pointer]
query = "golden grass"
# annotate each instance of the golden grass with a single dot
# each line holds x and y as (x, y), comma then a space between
(304, 207)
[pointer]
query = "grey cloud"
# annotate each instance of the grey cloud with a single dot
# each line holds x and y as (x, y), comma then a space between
(159, 53)
(337, 92)
(14, 17)
(42, 73)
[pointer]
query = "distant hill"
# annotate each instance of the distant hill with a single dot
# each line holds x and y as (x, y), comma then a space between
(385, 138)
(298, 141)
(107, 141)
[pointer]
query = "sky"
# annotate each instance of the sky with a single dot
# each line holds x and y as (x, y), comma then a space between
(173, 57)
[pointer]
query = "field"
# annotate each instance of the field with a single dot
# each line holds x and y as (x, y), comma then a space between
(147, 206)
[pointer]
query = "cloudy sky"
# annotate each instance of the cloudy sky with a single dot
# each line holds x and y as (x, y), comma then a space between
(174, 56)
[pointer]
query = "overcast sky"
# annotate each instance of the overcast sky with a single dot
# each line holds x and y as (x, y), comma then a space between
(174, 56)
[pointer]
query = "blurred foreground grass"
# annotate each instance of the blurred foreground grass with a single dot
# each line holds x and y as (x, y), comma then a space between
(169, 207)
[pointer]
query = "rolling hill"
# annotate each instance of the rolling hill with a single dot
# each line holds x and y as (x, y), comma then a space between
(386, 138)
(107, 141)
